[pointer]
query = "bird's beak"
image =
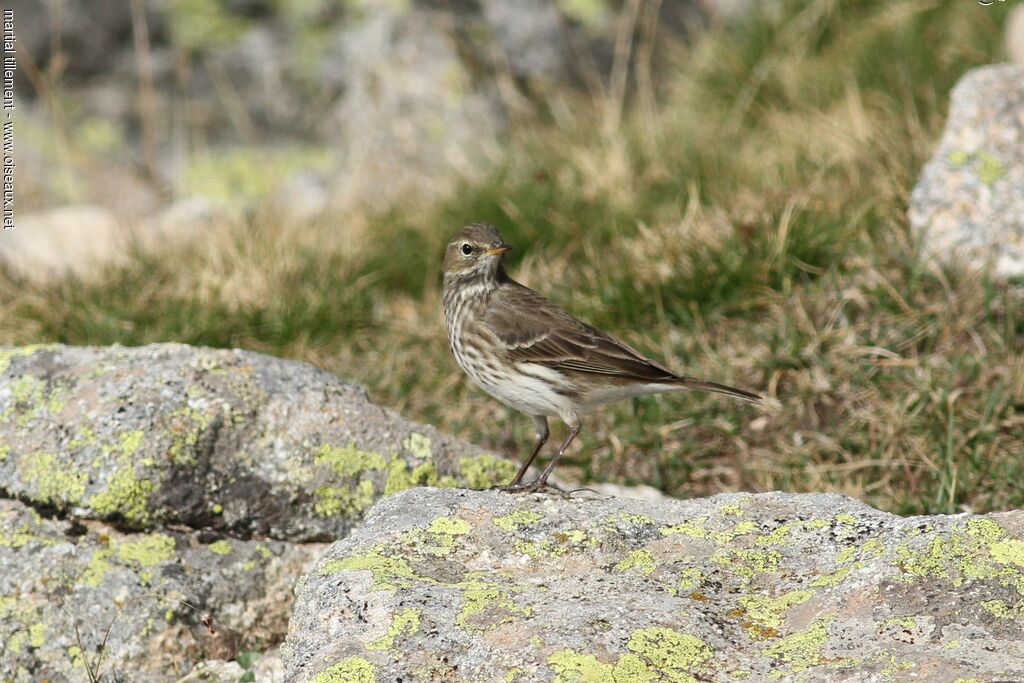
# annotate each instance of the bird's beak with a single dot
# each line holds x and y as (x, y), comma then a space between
(498, 249)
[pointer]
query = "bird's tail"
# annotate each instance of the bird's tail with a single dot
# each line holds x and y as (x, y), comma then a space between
(692, 383)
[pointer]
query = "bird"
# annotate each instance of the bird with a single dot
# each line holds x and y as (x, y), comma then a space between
(535, 357)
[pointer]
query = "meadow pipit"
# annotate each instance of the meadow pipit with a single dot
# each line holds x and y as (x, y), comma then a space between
(533, 356)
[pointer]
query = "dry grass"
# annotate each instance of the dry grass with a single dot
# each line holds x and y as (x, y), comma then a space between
(749, 227)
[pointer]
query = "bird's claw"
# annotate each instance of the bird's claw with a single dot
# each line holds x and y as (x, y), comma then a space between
(536, 486)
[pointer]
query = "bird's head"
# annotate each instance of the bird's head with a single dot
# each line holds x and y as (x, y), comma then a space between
(476, 250)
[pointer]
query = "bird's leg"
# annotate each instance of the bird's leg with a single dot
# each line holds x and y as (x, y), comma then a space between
(541, 424)
(541, 483)
(574, 430)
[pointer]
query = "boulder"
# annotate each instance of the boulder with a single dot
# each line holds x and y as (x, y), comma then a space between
(84, 601)
(482, 586)
(233, 441)
(77, 238)
(968, 202)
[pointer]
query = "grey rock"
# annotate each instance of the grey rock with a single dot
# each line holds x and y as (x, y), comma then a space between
(79, 239)
(1014, 38)
(482, 586)
(968, 203)
(410, 114)
(157, 603)
(226, 440)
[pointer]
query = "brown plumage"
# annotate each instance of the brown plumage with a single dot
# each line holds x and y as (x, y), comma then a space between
(534, 356)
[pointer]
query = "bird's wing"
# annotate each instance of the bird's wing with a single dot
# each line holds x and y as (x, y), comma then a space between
(534, 330)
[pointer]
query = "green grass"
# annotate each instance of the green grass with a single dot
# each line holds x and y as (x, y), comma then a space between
(751, 229)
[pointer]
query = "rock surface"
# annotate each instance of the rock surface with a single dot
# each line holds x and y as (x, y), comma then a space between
(968, 201)
(232, 441)
(173, 495)
(63, 584)
(480, 586)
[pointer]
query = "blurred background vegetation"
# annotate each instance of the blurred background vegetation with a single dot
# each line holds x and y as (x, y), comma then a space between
(733, 202)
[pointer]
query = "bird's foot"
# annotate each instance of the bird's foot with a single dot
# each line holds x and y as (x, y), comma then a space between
(536, 486)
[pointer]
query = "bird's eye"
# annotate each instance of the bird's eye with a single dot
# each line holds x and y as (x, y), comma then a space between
(466, 249)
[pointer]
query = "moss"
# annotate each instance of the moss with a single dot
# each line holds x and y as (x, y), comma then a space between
(484, 471)
(389, 573)
(221, 547)
(483, 595)
(804, 648)
(640, 560)
(349, 670)
(126, 495)
(52, 480)
(767, 611)
(405, 623)
(517, 519)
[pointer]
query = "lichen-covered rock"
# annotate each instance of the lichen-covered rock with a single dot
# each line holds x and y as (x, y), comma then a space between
(968, 202)
(482, 586)
(228, 440)
(156, 602)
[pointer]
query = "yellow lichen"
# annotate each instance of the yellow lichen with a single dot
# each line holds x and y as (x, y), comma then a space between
(484, 595)
(517, 519)
(747, 563)
(405, 623)
(693, 528)
(419, 445)
(349, 670)
(125, 495)
(221, 547)
(803, 648)
(767, 611)
(389, 573)
(148, 550)
(484, 471)
(640, 560)
(52, 480)
(672, 653)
